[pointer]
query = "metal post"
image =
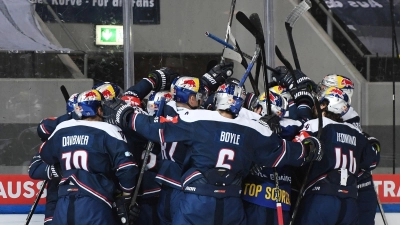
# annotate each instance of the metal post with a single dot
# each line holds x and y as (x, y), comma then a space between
(129, 77)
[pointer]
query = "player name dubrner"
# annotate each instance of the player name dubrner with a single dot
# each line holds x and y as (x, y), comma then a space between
(346, 138)
(75, 140)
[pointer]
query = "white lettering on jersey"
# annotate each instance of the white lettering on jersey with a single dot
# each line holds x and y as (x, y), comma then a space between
(229, 137)
(75, 140)
(345, 138)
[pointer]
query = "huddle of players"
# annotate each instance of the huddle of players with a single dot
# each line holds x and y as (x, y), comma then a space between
(203, 163)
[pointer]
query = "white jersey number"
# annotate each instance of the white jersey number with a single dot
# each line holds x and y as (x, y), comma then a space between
(342, 160)
(79, 160)
(225, 154)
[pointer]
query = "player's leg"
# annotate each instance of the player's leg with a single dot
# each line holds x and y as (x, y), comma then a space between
(198, 209)
(83, 210)
(367, 203)
(148, 211)
(348, 212)
(168, 204)
(255, 214)
(51, 201)
(318, 210)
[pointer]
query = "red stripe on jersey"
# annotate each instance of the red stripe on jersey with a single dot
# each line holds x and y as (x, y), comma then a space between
(82, 185)
(44, 129)
(278, 160)
(41, 146)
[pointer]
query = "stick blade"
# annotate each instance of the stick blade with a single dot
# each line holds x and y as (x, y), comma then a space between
(255, 20)
(244, 20)
(64, 93)
(232, 55)
(299, 10)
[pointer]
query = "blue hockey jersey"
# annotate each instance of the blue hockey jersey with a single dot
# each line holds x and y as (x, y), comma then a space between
(346, 151)
(218, 142)
(91, 155)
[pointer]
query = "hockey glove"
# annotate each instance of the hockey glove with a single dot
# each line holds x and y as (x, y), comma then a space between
(314, 149)
(282, 71)
(272, 122)
(373, 141)
(301, 97)
(122, 205)
(217, 76)
(134, 213)
(116, 112)
(256, 169)
(54, 172)
(162, 79)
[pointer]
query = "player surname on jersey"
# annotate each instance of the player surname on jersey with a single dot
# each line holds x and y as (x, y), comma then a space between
(345, 138)
(75, 140)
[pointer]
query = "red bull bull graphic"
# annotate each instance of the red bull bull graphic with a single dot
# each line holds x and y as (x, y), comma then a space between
(91, 95)
(108, 95)
(336, 92)
(222, 88)
(189, 83)
(346, 83)
(167, 96)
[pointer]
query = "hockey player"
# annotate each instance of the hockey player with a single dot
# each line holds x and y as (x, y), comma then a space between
(41, 171)
(222, 148)
(367, 198)
(261, 208)
(331, 190)
(91, 154)
(188, 93)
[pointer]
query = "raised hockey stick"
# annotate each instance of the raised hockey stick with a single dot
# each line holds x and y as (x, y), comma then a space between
(250, 66)
(35, 203)
(228, 27)
(149, 147)
(294, 15)
(64, 93)
(242, 61)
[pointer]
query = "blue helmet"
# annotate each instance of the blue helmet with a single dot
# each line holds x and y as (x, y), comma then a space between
(183, 87)
(155, 99)
(88, 102)
(108, 90)
(230, 97)
(71, 102)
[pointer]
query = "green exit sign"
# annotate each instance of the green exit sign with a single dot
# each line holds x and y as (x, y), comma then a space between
(109, 35)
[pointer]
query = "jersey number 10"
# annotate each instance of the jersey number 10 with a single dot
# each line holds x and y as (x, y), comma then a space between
(79, 160)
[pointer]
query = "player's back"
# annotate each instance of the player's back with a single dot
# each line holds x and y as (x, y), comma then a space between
(346, 151)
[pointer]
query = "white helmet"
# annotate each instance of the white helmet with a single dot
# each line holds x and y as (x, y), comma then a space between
(338, 81)
(278, 104)
(281, 91)
(155, 99)
(229, 97)
(337, 100)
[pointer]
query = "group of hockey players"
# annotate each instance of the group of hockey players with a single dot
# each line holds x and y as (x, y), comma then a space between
(217, 154)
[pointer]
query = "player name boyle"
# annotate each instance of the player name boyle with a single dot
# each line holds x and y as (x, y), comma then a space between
(230, 137)
(75, 140)
(345, 138)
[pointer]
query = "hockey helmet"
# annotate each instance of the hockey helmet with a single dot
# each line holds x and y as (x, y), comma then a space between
(71, 102)
(278, 104)
(338, 81)
(338, 100)
(229, 97)
(183, 87)
(155, 99)
(88, 102)
(281, 91)
(108, 90)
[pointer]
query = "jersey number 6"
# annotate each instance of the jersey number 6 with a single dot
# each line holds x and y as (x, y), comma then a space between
(225, 154)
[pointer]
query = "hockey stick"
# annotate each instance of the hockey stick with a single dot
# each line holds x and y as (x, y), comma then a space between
(242, 61)
(64, 93)
(149, 147)
(294, 15)
(250, 66)
(228, 27)
(385, 222)
(35, 203)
